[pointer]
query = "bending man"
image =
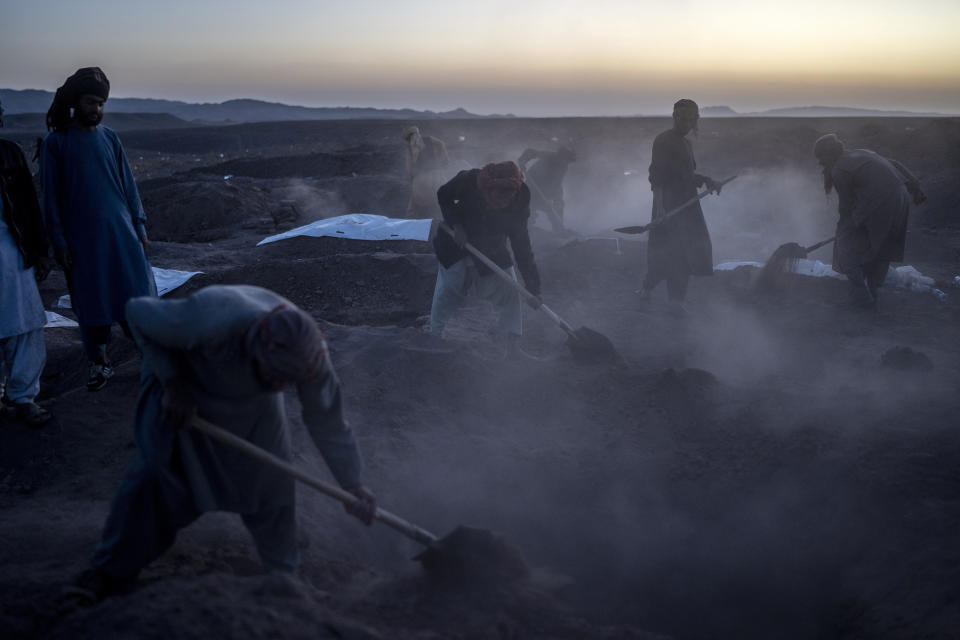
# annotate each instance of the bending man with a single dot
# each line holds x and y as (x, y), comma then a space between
(226, 352)
(93, 215)
(875, 194)
(485, 207)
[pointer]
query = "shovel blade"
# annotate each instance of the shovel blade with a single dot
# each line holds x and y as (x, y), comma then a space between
(589, 345)
(472, 557)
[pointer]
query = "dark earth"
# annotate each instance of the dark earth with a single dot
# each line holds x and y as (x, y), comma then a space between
(775, 465)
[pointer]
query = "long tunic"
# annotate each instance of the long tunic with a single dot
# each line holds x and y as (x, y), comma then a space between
(874, 205)
(682, 244)
(21, 309)
(201, 338)
(92, 207)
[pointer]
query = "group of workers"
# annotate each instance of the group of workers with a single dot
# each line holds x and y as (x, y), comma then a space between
(874, 195)
(225, 353)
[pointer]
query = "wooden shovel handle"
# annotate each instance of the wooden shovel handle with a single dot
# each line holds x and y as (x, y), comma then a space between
(408, 529)
(822, 243)
(493, 266)
(653, 224)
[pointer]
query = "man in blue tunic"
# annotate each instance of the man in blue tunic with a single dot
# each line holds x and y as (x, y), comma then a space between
(23, 261)
(225, 352)
(94, 216)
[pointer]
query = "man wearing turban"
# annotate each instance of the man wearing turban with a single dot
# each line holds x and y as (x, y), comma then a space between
(485, 207)
(875, 194)
(94, 217)
(226, 353)
(680, 247)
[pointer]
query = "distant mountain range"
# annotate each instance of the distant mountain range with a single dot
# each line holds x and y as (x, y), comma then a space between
(35, 101)
(241, 110)
(814, 112)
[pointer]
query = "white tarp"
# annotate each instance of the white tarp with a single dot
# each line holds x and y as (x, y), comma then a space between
(803, 266)
(360, 226)
(905, 277)
(167, 280)
(55, 320)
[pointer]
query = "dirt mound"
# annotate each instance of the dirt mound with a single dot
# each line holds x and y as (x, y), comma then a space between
(203, 210)
(906, 359)
(215, 606)
(348, 288)
(314, 165)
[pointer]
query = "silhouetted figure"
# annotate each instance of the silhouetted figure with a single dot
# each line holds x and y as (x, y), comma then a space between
(426, 163)
(24, 261)
(485, 207)
(93, 213)
(875, 194)
(226, 353)
(680, 247)
(545, 178)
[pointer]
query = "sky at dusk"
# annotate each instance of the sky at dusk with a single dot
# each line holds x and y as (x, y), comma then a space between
(531, 58)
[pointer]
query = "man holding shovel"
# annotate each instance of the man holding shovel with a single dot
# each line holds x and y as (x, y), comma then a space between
(680, 247)
(226, 353)
(485, 207)
(875, 194)
(545, 177)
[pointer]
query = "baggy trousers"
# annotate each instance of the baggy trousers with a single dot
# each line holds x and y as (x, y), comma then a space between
(23, 357)
(455, 283)
(154, 502)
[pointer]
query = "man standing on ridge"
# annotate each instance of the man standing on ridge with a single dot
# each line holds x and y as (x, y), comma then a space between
(680, 247)
(94, 216)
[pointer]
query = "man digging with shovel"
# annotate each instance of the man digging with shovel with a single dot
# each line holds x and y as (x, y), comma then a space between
(224, 353)
(875, 194)
(485, 207)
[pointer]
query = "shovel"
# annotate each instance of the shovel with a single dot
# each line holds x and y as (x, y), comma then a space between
(653, 224)
(584, 343)
(468, 554)
(784, 259)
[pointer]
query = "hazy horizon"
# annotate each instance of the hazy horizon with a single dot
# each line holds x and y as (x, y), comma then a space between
(534, 59)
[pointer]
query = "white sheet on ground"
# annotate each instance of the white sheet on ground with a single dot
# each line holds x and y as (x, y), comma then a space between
(360, 226)
(167, 280)
(55, 320)
(905, 277)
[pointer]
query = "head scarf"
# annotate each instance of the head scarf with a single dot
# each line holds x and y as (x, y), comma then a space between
(685, 103)
(827, 149)
(88, 80)
(499, 183)
(827, 146)
(287, 345)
